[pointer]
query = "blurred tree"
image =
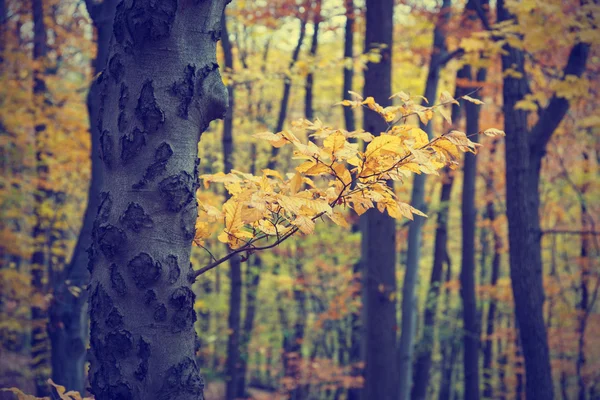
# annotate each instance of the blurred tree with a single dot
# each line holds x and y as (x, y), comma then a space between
(378, 248)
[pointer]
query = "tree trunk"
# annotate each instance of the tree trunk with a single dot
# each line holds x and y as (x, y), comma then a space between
(349, 66)
(309, 112)
(378, 252)
(3, 36)
(69, 322)
(355, 355)
(524, 152)
(252, 282)
(471, 325)
(488, 354)
(448, 344)
(40, 346)
(413, 252)
(235, 268)
(159, 93)
(287, 88)
(586, 299)
(423, 362)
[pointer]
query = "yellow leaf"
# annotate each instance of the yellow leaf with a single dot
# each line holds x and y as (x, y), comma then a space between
(354, 94)
(381, 143)
(270, 172)
(472, 100)
(401, 95)
(446, 97)
(276, 140)
(338, 219)
(492, 132)
(295, 183)
(305, 224)
(446, 114)
(334, 142)
(342, 173)
(425, 116)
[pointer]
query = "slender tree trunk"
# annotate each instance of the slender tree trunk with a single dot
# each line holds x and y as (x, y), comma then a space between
(525, 150)
(40, 363)
(584, 307)
(159, 93)
(355, 351)
(518, 363)
(287, 88)
(69, 322)
(378, 253)
(349, 64)
(235, 268)
(3, 34)
(448, 346)
(488, 354)
(308, 98)
(252, 282)
(471, 325)
(409, 300)
(423, 362)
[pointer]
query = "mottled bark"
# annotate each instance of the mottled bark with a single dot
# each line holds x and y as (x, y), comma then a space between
(524, 151)
(69, 323)
(378, 251)
(40, 346)
(160, 91)
(413, 252)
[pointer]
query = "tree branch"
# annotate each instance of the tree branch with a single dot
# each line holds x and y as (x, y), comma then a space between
(551, 116)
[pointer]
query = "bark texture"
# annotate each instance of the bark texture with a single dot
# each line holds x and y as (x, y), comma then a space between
(68, 317)
(378, 255)
(160, 91)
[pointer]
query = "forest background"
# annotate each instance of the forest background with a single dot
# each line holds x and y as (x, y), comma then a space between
(493, 295)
